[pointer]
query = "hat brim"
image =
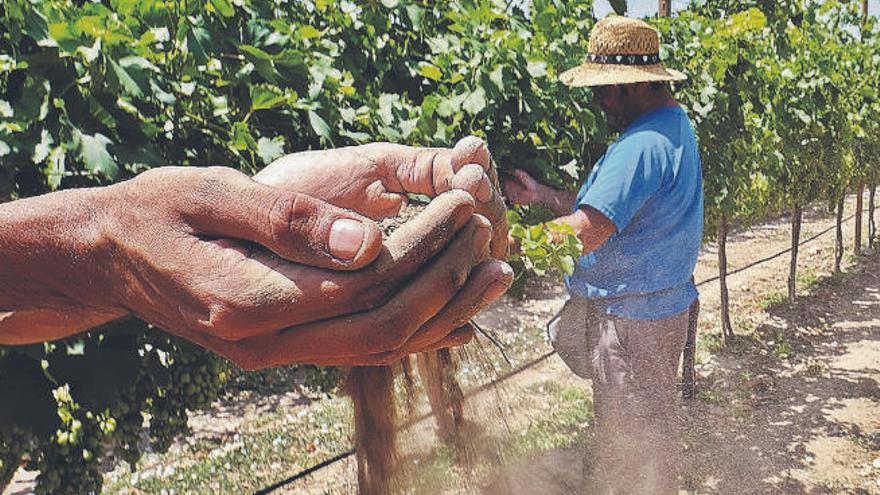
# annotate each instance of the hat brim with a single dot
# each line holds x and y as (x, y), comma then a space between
(590, 74)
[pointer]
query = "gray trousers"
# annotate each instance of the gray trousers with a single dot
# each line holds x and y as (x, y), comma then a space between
(634, 367)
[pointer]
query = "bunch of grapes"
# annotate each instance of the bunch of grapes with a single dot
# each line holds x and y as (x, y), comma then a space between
(172, 378)
(185, 377)
(14, 442)
(68, 460)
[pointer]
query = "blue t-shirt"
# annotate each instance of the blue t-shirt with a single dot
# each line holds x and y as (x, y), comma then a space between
(649, 183)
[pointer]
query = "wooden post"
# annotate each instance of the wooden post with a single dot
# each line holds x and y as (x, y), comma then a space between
(726, 327)
(872, 227)
(864, 12)
(688, 372)
(860, 192)
(796, 215)
(665, 8)
(838, 244)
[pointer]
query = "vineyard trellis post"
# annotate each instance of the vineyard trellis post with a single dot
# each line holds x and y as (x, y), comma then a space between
(860, 188)
(726, 327)
(857, 243)
(838, 244)
(872, 227)
(796, 216)
(665, 8)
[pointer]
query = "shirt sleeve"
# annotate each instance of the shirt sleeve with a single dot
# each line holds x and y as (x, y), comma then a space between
(630, 175)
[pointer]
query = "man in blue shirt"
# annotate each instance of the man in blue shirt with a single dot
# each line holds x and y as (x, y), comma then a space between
(639, 216)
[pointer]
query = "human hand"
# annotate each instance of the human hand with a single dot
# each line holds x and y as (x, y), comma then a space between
(260, 310)
(173, 263)
(522, 189)
(374, 179)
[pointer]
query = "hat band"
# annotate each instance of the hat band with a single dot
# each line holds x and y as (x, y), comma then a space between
(647, 59)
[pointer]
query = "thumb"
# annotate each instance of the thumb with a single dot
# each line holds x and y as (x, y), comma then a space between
(294, 226)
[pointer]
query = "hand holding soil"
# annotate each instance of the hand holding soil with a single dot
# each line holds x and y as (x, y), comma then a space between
(182, 248)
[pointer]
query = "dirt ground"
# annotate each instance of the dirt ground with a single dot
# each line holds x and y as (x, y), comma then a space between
(792, 406)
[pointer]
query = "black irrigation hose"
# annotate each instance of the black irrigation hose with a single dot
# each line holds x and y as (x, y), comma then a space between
(302, 474)
(530, 364)
(777, 255)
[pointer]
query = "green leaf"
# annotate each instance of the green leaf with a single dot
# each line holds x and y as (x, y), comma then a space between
(41, 149)
(537, 68)
(358, 137)
(129, 85)
(430, 71)
(138, 156)
(571, 169)
(475, 102)
(308, 32)
(319, 125)
(386, 107)
(270, 149)
(198, 39)
(222, 7)
(497, 77)
(415, 14)
(90, 54)
(62, 34)
(242, 139)
(262, 61)
(619, 6)
(264, 98)
(566, 264)
(94, 154)
(803, 116)
(36, 26)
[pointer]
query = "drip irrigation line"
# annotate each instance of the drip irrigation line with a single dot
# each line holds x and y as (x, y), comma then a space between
(777, 255)
(302, 474)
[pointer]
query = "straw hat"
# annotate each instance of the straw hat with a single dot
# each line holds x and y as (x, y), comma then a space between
(621, 51)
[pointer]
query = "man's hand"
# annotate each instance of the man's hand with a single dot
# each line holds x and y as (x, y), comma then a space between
(178, 248)
(374, 179)
(522, 189)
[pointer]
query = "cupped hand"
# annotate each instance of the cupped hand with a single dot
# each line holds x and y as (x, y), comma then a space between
(181, 249)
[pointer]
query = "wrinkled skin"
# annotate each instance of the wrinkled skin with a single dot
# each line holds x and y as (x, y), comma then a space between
(247, 267)
(373, 179)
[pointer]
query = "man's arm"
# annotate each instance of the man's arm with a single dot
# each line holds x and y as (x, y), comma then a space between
(49, 245)
(590, 226)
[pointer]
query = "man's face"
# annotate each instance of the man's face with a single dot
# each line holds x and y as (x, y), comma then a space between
(615, 102)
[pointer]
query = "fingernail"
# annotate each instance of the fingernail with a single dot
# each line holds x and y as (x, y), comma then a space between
(346, 239)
